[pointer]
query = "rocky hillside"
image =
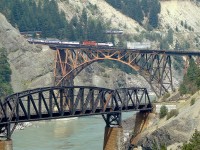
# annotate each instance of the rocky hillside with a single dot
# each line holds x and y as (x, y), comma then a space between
(176, 130)
(181, 16)
(30, 64)
(173, 12)
(100, 8)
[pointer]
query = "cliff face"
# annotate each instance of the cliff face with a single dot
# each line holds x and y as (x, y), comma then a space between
(30, 64)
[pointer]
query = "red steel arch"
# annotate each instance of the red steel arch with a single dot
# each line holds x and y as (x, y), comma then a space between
(155, 67)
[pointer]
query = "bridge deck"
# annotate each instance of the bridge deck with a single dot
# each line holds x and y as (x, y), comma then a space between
(64, 102)
(67, 114)
(145, 51)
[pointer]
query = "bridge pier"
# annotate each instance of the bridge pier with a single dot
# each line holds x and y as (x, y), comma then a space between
(6, 144)
(142, 121)
(113, 135)
(113, 138)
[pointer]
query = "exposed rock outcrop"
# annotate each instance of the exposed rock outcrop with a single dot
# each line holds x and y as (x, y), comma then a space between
(174, 130)
(11, 39)
(30, 64)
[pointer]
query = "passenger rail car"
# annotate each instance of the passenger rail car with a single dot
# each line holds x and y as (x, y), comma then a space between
(69, 43)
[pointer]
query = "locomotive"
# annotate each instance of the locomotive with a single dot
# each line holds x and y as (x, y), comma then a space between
(69, 43)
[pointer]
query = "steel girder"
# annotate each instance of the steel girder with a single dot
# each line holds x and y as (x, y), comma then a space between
(64, 102)
(155, 67)
(113, 119)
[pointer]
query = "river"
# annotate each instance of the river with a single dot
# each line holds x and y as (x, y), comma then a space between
(84, 133)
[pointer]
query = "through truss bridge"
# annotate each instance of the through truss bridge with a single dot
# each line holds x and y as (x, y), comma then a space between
(64, 102)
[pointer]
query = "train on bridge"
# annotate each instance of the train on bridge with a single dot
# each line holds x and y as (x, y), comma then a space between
(69, 43)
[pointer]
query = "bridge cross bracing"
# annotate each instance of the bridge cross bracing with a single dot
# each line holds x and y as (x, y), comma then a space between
(154, 67)
(64, 102)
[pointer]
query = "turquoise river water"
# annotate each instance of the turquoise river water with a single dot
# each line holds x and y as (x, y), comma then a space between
(84, 133)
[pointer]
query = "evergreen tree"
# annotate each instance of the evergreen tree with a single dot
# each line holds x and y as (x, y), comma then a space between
(170, 36)
(5, 74)
(27, 15)
(191, 80)
(153, 14)
(145, 7)
(163, 111)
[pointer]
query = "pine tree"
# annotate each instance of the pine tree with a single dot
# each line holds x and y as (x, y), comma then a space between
(5, 74)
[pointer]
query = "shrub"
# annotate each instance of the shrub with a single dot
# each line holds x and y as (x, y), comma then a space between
(181, 22)
(177, 29)
(183, 89)
(106, 75)
(172, 113)
(163, 111)
(194, 143)
(157, 146)
(192, 101)
(166, 95)
(186, 26)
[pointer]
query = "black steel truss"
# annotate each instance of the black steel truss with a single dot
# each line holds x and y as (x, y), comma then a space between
(113, 119)
(63, 102)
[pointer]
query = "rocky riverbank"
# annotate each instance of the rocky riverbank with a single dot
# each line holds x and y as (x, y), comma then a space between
(176, 130)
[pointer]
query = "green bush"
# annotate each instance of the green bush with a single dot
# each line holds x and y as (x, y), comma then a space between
(163, 111)
(192, 101)
(194, 143)
(157, 146)
(181, 22)
(166, 95)
(172, 113)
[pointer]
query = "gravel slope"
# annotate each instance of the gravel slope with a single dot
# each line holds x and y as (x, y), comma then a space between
(173, 12)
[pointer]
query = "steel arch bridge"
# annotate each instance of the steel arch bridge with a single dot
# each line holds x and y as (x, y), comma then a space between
(154, 67)
(63, 102)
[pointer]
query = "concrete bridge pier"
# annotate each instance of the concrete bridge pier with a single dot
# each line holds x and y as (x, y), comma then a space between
(113, 135)
(142, 121)
(113, 138)
(6, 144)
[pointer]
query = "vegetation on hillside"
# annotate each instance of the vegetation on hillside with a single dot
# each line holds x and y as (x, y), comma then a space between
(163, 111)
(191, 80)
(194, 142)
(44, 15)
(5, 74)
(156, 146)
(139, 10)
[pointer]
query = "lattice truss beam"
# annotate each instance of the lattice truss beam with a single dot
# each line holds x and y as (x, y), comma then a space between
(154, 67)
(62, 102)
